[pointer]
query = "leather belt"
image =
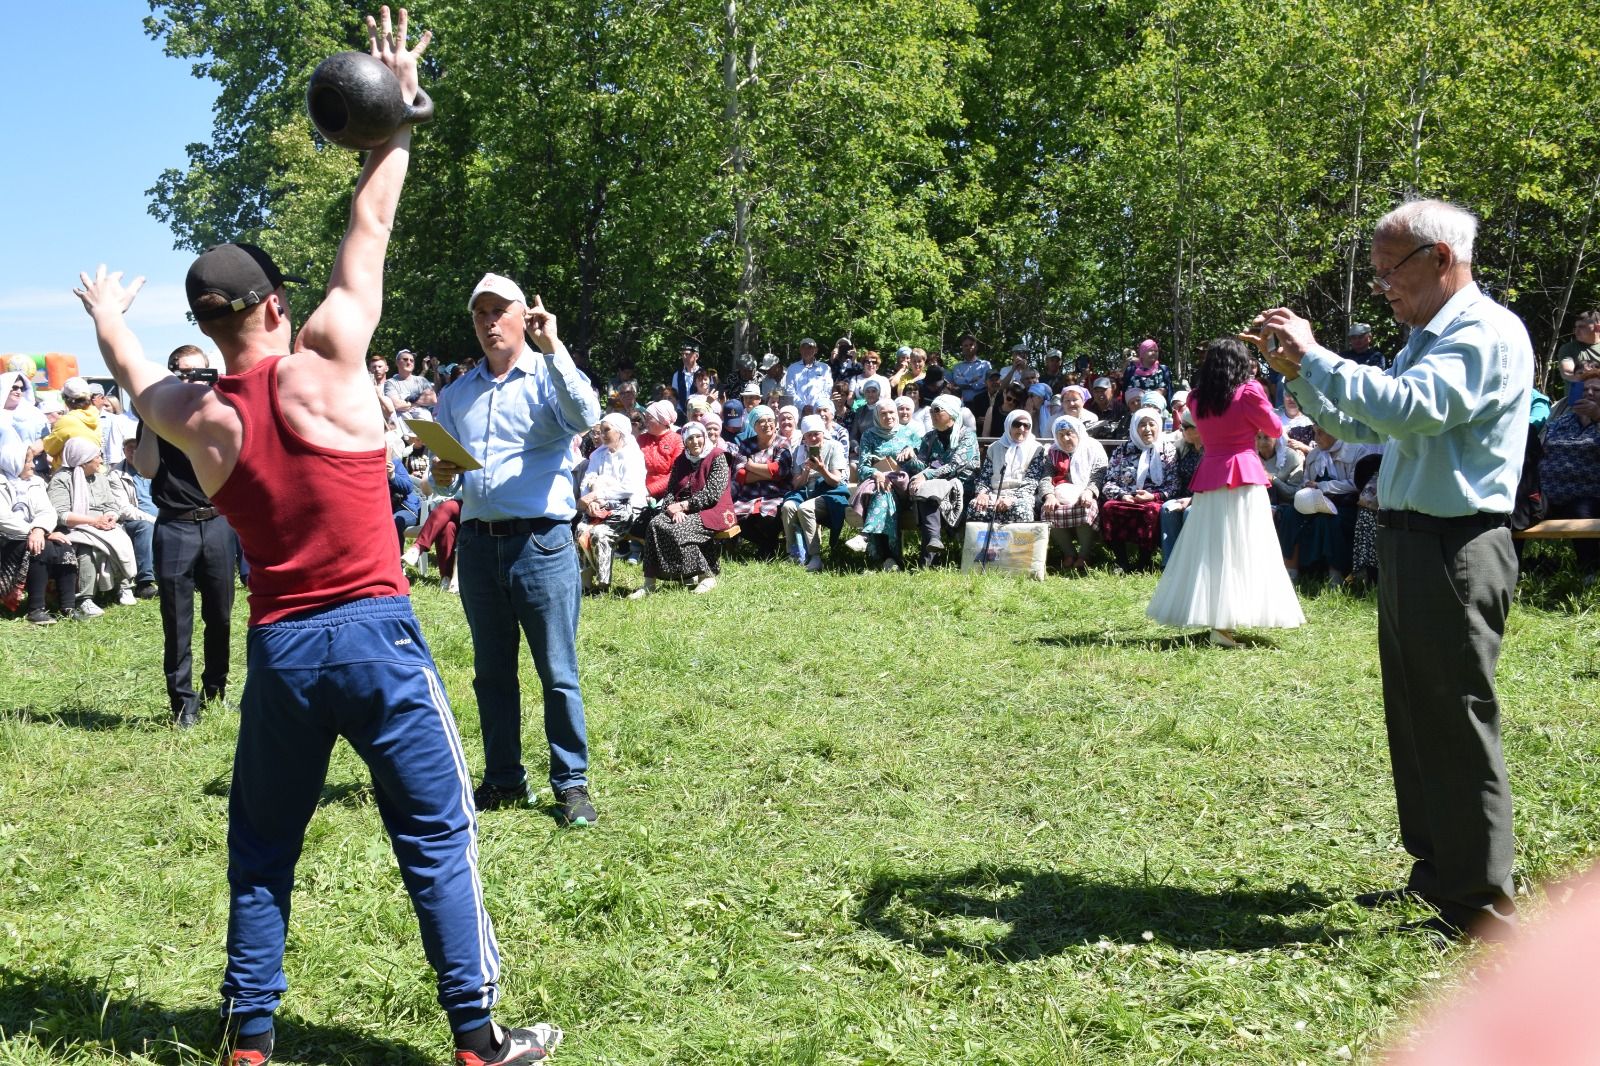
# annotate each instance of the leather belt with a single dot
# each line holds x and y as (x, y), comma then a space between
(1417, 522)
(199, 514)
(510, 527)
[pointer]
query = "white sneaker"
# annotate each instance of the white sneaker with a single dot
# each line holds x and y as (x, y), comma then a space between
(857, 543)
(90, 608)
(706, 584)
(454, 584)
(814, 564)
(642, 591)
(410, 556)
(126, 598)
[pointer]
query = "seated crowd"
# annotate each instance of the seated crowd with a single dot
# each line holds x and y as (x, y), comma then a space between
(781, 455)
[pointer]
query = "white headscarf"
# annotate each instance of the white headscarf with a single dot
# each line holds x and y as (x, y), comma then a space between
(1009, 457)
(1151, 470)
(13, 453)
(76, 452)
(695, 429)
(1088, 454)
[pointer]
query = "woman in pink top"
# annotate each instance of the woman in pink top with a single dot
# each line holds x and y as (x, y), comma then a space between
(1226, 570)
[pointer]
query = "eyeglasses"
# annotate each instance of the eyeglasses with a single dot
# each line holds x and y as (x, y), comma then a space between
(1380, 282)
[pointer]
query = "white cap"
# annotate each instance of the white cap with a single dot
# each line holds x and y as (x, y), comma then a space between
(502, 287)
(75, 389)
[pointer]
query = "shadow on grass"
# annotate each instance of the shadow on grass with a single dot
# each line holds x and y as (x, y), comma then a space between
(342, 793)
(1019, 914)
(1100, 638)
(70, 1015)
(78, 715)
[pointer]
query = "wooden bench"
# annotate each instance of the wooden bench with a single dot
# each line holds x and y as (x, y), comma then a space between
(1562, 529)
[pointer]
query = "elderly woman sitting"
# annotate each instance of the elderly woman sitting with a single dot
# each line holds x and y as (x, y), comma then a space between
(1071, 497)
(1007, 488)
(87, 511)
(762, 471)
(865, 416)
(1320, 529)
(660, 446)
(1175, 508)
(1569, 473)
(941, 472)
(32, 551)
(611, 493)
(875, 508)
(821, 492)
(1140, 474)
(699, 505)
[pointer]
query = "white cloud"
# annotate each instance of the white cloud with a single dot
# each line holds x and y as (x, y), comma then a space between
(37, 319)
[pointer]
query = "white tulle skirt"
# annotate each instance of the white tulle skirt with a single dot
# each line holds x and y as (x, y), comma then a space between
(1226, 571)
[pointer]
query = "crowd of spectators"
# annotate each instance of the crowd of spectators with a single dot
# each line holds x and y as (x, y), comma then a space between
(831, 451)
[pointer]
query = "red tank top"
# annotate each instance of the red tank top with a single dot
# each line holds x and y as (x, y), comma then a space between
(315, 523)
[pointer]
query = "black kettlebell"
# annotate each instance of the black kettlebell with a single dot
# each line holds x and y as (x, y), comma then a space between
(355, 101)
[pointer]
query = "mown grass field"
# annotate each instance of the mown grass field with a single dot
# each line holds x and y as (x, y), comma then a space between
(845, 818)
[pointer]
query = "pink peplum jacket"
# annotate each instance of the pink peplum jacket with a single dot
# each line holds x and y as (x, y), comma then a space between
(1230, 458)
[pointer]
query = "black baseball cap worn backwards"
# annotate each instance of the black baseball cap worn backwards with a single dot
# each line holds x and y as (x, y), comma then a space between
(242, 274)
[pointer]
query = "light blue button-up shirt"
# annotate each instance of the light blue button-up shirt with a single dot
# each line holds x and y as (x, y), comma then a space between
(1452, 410)
(520, 428)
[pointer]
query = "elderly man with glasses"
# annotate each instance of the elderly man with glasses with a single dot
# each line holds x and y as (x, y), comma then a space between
(1452, 412)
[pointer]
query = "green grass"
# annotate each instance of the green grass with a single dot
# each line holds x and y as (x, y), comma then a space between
(845, 818)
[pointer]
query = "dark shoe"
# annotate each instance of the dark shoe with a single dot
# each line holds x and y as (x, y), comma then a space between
(1384, 897)
(574, 809)
(72, 614)
(250, 1050)
(187, 717)
(487, 797)
(213, 695)
(517, 1046)
(39, 616)
(1443, 931)
(146, 591)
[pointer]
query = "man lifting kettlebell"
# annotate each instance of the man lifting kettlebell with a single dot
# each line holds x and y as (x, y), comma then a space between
(334, 647)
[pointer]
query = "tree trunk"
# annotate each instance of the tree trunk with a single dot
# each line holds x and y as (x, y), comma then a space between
(1355, 214)
(1572, 281)
(733, 121)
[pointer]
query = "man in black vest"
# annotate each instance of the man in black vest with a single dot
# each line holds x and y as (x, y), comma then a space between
(194, 549)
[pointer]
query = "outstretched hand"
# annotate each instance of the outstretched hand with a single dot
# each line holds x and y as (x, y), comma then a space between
(541, 326)
(1292, 333)
(388, 44)
(105, 293)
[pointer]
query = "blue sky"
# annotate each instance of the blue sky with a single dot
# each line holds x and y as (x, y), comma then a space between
(93, 112)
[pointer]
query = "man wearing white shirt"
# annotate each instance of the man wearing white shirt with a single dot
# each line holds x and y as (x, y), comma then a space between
(808, 383)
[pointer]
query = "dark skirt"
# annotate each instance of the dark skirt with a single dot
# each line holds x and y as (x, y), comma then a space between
(1123, 522)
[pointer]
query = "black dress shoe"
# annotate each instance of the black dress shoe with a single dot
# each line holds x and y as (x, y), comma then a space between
(1385, 896)
(1440, 928)
(186, 717)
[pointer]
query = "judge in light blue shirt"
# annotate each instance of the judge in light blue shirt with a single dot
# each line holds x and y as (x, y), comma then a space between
(1453, 413)
(517, 412)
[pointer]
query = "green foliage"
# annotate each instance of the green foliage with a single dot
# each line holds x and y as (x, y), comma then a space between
(1081, 173)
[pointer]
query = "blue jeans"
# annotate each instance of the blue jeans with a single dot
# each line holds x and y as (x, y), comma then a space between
(533, 583)
(143, 535)
(1171, 526)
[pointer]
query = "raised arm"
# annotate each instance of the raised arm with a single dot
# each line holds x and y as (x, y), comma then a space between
(170, 406)
(341, 327)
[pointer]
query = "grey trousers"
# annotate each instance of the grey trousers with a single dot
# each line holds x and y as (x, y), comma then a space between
(1443, 595)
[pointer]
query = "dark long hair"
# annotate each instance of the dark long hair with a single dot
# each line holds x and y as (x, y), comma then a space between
(1227, 365)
